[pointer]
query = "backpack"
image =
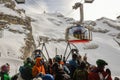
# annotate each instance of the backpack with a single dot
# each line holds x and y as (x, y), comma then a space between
(81, 75)
(26, 72)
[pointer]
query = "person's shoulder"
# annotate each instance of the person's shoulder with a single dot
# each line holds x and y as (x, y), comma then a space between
(71, 61)
(6, 75)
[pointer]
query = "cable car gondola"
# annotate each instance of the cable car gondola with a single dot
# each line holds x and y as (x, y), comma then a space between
(20, 1)
(78, 33)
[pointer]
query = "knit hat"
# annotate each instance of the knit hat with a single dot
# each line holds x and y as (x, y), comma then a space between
(101, 62)
(58, 58)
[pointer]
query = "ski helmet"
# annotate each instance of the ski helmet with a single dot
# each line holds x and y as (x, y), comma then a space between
(48, 77)
(58, 58)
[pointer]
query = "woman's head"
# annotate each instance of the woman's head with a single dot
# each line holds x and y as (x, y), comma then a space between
(5, 68)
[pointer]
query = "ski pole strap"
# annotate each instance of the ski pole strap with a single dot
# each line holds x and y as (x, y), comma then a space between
(106, 77)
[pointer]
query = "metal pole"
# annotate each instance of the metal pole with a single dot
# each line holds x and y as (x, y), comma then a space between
(81, 13)
(67, 56)
(46, 51)
(42, 51)
(65, 53)
(56, 51)
(66, 49)
(42, 46)
(70, 51)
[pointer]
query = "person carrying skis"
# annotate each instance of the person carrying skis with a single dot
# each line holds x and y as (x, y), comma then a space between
(99, 73)
(4, 73)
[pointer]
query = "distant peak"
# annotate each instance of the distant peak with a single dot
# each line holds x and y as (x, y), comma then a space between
(103, 18)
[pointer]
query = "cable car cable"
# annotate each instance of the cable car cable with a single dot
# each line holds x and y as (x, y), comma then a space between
(38, 5)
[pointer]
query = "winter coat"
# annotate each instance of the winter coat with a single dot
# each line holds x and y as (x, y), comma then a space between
(65, 68)
(94, 75)
(38, 67)
(61, 75)
(80, 74)
(73, 64)
(26, 70)
(4, 76)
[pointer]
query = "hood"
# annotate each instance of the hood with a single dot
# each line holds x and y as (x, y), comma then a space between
(38, 61)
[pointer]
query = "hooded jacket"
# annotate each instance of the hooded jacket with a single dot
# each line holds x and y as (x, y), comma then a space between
(94, 75)
(4, 76)
(38, 67)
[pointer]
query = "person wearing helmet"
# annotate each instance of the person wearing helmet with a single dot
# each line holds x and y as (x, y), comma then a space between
(99, 73)
(38, 67)
(59, 73)
(37, 53)
(58, 59)
(4, 74)
(26, 69)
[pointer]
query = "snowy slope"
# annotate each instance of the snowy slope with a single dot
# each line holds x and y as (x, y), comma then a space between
(11, 39)
(14, 64)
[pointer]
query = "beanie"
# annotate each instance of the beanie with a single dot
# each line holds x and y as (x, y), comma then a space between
(58, 58)
(101, 62)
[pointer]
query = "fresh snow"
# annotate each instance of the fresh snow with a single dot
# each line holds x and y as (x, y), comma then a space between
(8, 11)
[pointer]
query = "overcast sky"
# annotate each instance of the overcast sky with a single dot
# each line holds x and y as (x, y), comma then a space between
(98, 9)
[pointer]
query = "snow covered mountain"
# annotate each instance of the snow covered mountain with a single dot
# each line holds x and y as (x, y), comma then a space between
(16, 41)
(51, 26)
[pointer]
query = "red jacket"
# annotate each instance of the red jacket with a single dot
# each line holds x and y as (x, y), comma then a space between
(95, 76)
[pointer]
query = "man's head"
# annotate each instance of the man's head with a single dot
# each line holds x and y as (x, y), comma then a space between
(101, 63)
(74, 56)
(57, 58)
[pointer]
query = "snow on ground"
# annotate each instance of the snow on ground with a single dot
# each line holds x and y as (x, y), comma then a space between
(11, 43)
(8, 11)
(14, 64)
(10, 49)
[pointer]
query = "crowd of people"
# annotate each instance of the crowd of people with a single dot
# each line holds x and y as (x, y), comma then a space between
(78, 68)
